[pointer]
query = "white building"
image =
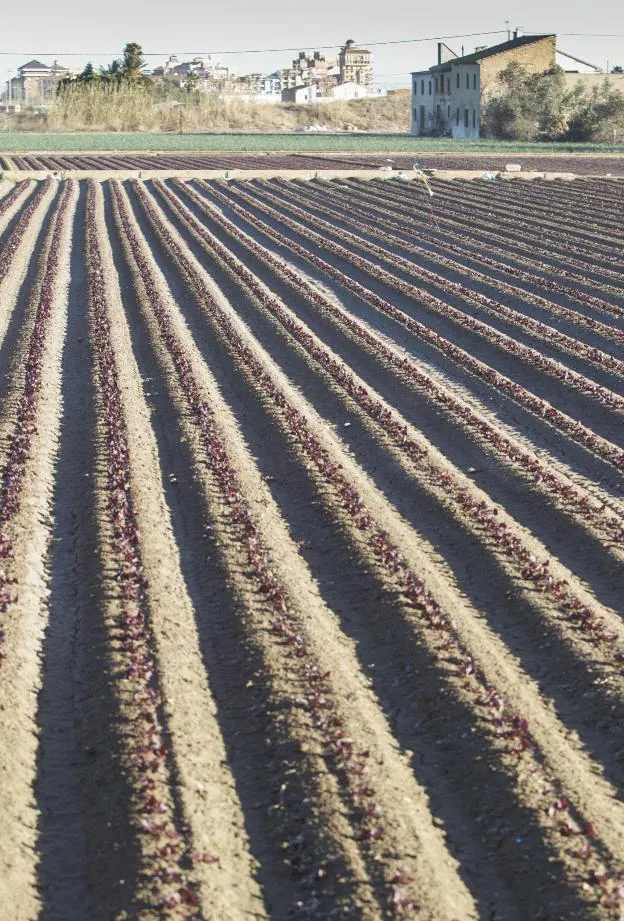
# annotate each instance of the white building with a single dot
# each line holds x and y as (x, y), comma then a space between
(446, 98)
(299, 94)
(349, 90)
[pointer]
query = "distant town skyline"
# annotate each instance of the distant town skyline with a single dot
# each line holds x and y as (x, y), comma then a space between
(69, 36)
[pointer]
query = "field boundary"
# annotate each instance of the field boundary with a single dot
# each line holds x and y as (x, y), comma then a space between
(233, 174)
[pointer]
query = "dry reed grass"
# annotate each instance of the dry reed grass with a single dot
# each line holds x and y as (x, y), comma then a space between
(103, 107)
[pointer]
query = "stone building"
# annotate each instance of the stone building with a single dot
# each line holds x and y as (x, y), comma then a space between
(356, 65)
(447, 97)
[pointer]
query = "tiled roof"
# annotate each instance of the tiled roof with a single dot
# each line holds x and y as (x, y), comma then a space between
(34, 65)
(477, 56)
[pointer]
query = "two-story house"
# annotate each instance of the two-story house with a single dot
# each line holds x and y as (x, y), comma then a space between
(446, 98)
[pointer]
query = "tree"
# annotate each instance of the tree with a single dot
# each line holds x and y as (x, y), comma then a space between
(112, 73)
(133, 63)
(527, 106)
(618, 69)
(191, 82)
(89, 74)
(597, 116)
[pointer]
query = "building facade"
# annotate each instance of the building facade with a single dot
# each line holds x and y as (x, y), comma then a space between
(447, 98)
(36, 82)
(301, 95)
(356, 65)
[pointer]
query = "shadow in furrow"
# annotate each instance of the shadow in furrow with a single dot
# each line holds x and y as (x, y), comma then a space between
(390, 385)
(87, 853)
(18, 329)
(264, 758)
(475, 801)
(599, 417)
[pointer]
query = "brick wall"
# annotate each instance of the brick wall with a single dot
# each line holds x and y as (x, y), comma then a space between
(535, 58)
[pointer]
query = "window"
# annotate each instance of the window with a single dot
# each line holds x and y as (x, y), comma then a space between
(438, 112)
(448, 85)
(467, 81)
(458, 115)
(474, 118)
(474, 81)
(457, 79)
(448, 114)
(465, 118)
(422, 87)
(430, 87)
(436, 84)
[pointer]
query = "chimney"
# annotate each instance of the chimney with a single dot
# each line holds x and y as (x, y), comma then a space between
(439, 52)
(518, 32)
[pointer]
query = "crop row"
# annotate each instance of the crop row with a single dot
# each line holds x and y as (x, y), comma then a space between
(545, 260)
(507, 726)
(18, 192)
(167, 879)
(25, 429)
(188, 162)
(467, 196)
(541, 475)
(11, 244)
(466, 499)
(517, 392)
(479, 301)
(455, 207)
(326, 208)
(575, 226)
(350, 759)
(478, 231)
(566, 202)
(570, 200)
(463, 320)
(332, 195)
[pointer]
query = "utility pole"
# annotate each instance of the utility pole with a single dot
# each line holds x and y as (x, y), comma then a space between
(508, 24)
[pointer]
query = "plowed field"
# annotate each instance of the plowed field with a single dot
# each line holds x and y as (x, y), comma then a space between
(591, 165)
(311, 550)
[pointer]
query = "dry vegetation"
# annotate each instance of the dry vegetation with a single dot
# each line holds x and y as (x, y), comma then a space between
(131, 107)
(311, 551)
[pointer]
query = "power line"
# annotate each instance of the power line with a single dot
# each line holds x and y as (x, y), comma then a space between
(400, 41)
(153, 54)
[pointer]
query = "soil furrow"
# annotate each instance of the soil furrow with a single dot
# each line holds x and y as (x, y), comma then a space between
(398, 274)
(571, 427)
(25, 530)
(294, 421)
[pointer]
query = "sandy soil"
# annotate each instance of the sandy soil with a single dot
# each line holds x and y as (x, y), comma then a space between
(311, 594)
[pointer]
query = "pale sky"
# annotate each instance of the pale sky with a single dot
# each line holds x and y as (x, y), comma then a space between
(98, 32)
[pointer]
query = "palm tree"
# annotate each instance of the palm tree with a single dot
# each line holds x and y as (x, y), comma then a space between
(133, 62)
(112, 72)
